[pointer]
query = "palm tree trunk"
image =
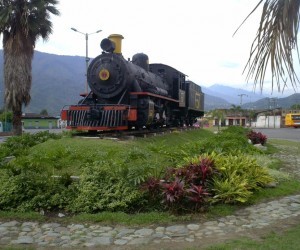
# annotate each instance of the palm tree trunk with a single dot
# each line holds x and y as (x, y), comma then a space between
(18, 54)
(17, 120)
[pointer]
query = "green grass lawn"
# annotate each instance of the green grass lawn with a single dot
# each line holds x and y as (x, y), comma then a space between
(71, 154)
(288, 239)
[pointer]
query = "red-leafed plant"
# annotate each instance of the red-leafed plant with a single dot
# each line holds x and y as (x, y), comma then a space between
(152, 187)
(197, 194)
(257, 137)
(206, 166)
(174, 191)
(183, 188)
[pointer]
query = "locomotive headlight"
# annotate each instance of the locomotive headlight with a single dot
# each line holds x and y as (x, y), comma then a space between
(104, 74)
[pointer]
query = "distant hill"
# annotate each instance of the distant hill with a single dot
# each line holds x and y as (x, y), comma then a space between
(58, 80)
(232, 95)
(271, 103)
(213, 102)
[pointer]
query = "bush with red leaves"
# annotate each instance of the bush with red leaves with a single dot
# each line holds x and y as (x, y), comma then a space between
(182, 188)
(257, 137)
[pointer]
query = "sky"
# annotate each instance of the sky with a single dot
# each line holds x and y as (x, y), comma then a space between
(193, 36)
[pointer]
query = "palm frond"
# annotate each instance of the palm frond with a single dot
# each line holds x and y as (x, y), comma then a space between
(274, 44)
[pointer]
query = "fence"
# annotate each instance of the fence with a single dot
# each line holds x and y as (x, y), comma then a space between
(5, 127)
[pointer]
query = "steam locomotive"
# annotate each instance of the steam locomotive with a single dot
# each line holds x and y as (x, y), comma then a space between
(133, 94)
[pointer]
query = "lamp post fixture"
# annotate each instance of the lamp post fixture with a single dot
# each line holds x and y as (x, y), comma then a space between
(87, 59)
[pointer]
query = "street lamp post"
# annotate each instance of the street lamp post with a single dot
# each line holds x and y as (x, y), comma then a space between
(87, 59)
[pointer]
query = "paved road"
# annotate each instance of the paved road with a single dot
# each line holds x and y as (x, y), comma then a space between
(281, 133)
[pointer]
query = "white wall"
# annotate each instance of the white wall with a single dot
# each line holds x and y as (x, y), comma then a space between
(267, 122)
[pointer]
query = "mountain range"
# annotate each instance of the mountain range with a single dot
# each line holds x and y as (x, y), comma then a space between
(58, 80)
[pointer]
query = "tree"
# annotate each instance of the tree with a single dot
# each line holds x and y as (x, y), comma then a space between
(44, 112)
(218, 115)
(237, 110)
(295, 106)
(6, 116)
(275, 41)
(22, 22)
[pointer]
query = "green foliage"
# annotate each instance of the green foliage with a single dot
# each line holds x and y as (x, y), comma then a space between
(44, 112)
(19, 145)
(28, 188)
(6, 117)
(232, 140)
(231, 190)
(99, 191)
(295, 106)
(239, 177)
(111, 172)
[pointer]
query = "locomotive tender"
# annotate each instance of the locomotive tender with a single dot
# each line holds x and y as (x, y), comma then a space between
(133, 94)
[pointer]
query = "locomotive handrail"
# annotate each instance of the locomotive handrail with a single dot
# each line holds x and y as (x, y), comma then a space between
(154, 95)
(95, 105)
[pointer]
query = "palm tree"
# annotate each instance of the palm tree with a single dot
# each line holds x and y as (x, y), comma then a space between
(22, 22)
(275, 41)
(237, 110)
(218, 115)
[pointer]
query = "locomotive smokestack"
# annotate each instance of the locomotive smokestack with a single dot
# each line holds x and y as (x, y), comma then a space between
(117, 40)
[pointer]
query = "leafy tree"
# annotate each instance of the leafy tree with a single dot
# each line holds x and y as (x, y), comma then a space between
(236, 109)
(22, 22)
(252, 115)
(274, 43)
(295, 106)
(44, 112)
(6, 117)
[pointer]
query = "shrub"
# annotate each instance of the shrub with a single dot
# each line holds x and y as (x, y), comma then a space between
(99, 190)
(19, 145)
(183, 188)
(239, 176)
(229, 141)
(110, 178)
(257, 137)
(28, 188)
(214, 177)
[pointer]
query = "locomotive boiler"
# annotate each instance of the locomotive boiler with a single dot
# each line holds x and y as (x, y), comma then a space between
(133, 94)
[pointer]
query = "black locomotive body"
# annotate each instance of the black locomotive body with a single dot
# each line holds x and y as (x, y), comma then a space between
(126, 94)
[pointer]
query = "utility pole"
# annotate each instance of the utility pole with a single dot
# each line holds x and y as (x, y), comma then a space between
(273, 100)
(241, 103)
(241, 96)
